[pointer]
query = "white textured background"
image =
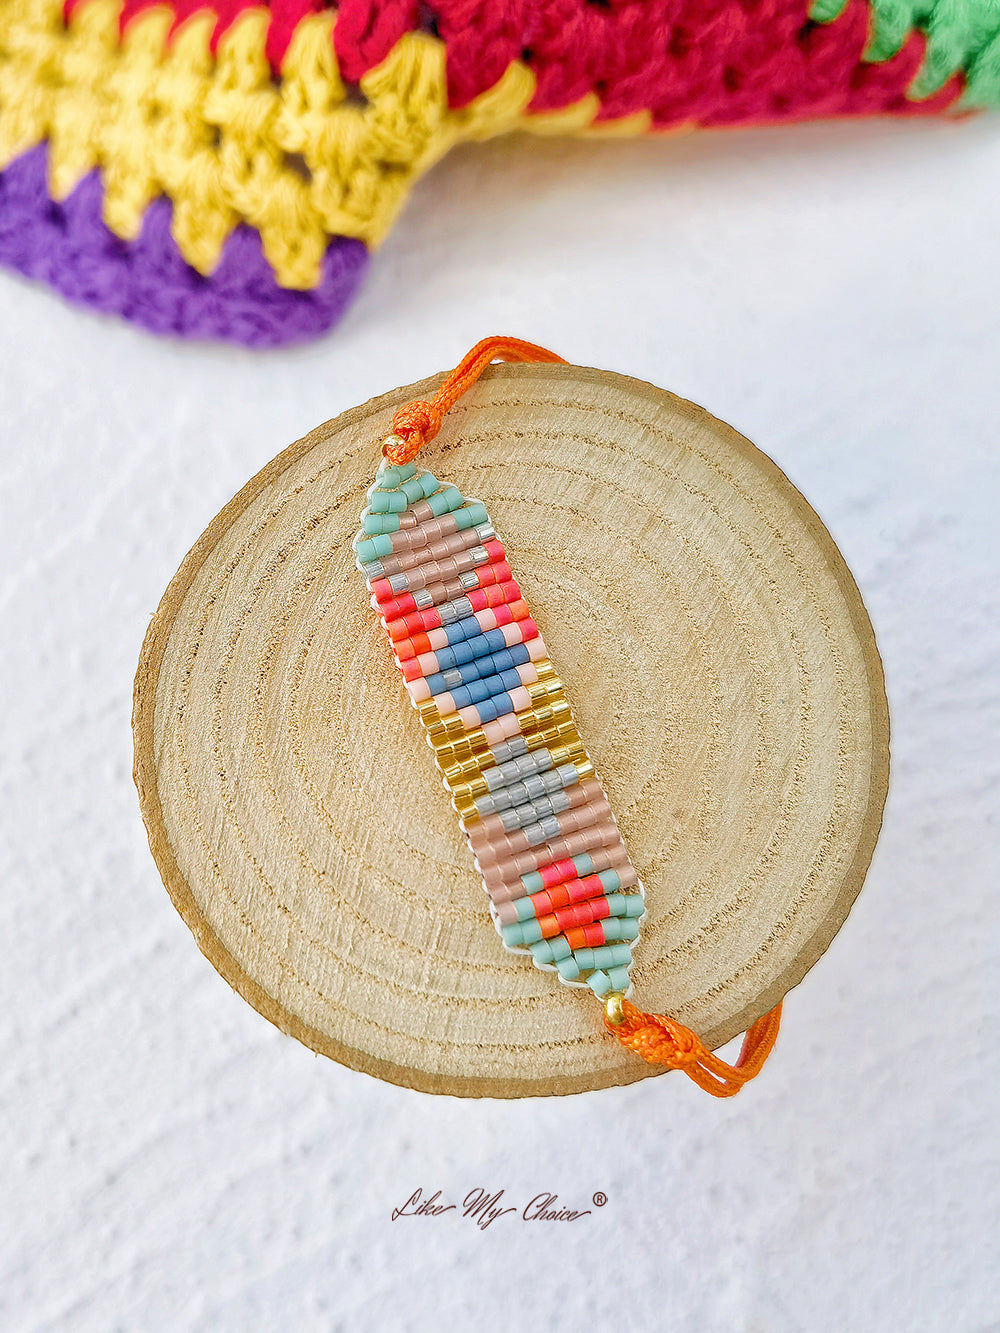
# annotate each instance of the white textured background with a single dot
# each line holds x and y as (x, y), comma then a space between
(168, 1161)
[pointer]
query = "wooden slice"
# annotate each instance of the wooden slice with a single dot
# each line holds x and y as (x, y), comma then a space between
(722, 672)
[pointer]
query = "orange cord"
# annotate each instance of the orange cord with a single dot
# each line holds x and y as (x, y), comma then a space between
(663, 1041)
(418, 422)
(658, 1039)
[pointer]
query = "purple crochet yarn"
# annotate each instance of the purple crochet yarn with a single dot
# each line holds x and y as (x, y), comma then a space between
(68, 246)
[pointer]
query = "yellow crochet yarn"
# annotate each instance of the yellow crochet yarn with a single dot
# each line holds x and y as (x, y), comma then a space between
(296, 159)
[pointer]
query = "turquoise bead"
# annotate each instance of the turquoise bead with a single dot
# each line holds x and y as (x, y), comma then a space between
(373, 524)
(471, 516)
(373, 549)
(617, 904)
(551, 951)
(626, 904)
(621, 928)
(413, 489)
(583, 865)
(618, 976)
(446, 501)
(600, 983)
(390, 475)
(387, 502)
(525, 932)
(608, 955)
(532, 882)
(429, 485)
(568, 969)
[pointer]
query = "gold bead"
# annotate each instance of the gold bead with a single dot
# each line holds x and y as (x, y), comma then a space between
(544, 689)
(392, 442)
(614, 1008)
(467, 792)
(459, 772)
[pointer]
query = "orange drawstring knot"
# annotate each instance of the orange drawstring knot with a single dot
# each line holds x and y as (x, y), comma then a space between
(417, 422)
(664, 1041)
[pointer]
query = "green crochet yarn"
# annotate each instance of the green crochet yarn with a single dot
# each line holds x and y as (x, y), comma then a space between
(962, 35)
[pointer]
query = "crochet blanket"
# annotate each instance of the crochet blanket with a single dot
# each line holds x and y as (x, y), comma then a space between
(226, 170)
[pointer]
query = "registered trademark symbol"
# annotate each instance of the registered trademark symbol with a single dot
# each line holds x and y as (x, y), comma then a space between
(600, 1199)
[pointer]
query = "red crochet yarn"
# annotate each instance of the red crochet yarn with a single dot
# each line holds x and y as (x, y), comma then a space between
(706, 62)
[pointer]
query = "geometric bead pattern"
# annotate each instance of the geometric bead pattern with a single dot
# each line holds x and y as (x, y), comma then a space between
(559, 880)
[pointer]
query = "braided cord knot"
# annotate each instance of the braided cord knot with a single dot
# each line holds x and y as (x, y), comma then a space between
(415, 424)
(661, 1040)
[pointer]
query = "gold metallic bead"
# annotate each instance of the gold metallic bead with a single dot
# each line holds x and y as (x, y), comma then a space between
(568, 754)
(446, 750)
(543, 689)
(450, 725)
(462, 770)
(392, 442)
(443, 728)
(470, 746)
(614, 1008)
(555, 710)
(564, 735)
(466, 793)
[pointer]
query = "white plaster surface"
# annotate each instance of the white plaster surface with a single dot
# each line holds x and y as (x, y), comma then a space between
(168, 1161)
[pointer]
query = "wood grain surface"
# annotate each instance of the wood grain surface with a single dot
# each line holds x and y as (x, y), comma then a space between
(722, 672)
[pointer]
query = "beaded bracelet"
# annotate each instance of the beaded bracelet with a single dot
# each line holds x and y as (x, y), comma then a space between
(561, 887)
